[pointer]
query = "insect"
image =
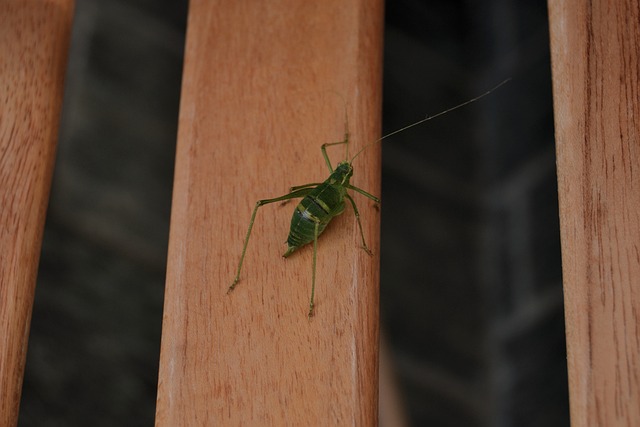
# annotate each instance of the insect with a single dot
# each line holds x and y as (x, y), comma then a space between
(321, 202)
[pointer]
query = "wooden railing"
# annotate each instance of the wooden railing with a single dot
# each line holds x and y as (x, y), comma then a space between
(596, 82)
(257, 103)
(34, 41)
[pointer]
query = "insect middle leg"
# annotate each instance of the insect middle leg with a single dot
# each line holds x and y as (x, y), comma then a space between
(292, 195)
(357, 213)
(365, 194)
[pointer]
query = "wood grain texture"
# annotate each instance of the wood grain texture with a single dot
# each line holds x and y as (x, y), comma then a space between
(595, 47)
(263, 88)
(34, 40)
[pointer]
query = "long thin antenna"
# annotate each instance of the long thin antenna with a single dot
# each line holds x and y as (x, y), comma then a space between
(430, 118)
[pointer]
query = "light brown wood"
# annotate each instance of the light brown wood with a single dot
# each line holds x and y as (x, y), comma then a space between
(34, 40)
(265, 84)
(595, 47)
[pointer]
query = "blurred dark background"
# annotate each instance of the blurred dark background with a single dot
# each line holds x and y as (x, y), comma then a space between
(471, 281)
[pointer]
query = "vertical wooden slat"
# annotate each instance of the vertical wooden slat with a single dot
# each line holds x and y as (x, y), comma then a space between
(34, 40)
(265, 84)
(596, 69)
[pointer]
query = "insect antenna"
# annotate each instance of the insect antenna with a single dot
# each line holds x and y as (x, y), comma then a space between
(426, 119)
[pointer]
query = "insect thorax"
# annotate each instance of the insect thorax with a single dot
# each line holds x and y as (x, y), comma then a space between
(342, 174)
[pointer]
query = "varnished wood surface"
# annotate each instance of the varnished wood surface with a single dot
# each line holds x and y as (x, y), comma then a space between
(34, 40)
(265, 84)
(596, 74)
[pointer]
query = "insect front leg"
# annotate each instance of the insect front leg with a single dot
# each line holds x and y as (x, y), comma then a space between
(329, 144)
(292, 195)
(344, 141)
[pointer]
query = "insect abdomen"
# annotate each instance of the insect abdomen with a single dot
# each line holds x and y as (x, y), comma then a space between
(320, 206)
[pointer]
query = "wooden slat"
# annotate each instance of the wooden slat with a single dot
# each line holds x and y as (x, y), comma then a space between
(34, 40)
(265, 84)
(595, 47)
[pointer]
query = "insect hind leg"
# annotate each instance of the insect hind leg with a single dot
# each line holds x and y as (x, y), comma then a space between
(309, 187)
(313, 269)
(292, 195)
(299, 187)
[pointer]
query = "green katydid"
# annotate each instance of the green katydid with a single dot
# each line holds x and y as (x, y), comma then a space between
(321, 202)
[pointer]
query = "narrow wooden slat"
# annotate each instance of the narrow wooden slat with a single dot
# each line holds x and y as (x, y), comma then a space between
(265, 84)
(596, 76)
(34, 40)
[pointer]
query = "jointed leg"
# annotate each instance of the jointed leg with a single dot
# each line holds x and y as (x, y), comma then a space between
(292, 195)
(344, 141)
(324, 150)
(299, 187)
(313, 273)
(364, 193)
(355, 210)
(307, 187)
